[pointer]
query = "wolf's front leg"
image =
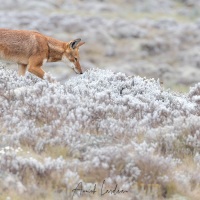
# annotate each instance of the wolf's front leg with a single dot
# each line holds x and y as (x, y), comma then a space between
(35, 67)
(22, 69)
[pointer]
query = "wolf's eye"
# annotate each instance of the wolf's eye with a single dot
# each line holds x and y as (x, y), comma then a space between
(76, 59)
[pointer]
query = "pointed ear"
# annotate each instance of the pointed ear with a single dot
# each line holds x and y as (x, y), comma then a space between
(80, 44)
(73, 44)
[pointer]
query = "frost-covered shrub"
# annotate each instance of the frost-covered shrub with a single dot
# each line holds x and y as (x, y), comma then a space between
(154, 168)
(97, 126)
(12, 163)
(119, 164)
(197, 159)
(98, 102)
(194, 94)
(155, 47)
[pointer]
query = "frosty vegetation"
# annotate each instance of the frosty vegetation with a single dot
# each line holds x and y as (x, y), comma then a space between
(97, 126)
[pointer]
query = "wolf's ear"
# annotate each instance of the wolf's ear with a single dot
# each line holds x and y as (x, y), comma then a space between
(76, 43)
(80, 43)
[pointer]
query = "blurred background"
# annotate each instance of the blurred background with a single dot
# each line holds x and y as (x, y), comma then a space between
(150, 38)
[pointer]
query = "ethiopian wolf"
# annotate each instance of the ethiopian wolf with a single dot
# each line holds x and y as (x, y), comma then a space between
(31, 49)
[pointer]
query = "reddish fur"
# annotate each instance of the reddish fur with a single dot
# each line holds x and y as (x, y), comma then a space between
(31, 48)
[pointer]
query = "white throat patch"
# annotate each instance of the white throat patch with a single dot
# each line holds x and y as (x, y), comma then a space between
(66, 60)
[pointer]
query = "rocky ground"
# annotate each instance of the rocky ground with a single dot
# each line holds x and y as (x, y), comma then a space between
(151, 38)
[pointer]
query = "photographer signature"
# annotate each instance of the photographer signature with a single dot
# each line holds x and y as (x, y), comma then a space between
(79, 190)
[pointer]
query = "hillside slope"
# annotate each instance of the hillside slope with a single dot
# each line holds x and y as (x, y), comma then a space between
(98, 126)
